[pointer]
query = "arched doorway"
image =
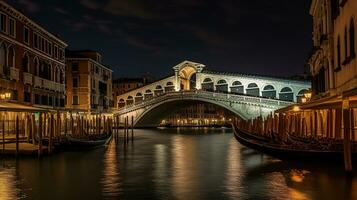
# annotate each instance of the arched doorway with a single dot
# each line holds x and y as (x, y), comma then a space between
(237, 88)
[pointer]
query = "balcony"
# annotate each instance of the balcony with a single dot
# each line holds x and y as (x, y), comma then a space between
(28, 78)
(14, 73)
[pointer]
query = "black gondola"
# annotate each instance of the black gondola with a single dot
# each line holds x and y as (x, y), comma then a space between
(77, 143)
(287, 151)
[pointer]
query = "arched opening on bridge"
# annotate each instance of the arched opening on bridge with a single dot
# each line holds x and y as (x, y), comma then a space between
(269, 92)
(139, 97)
(222, 86)
(286, 94)
(158, 90)
(301, 95)
(253, 90)
(129, 100)
(148, 94)
(193, 81)
(207, 85)
(169, 87)
(237, 88)
(185, 76)
(121, 103)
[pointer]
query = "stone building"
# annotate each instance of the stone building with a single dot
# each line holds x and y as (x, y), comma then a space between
(89, 82)
(32, 61)
(332, 62)
(123, 85)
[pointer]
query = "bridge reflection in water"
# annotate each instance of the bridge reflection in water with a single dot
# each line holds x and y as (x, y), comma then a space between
(165, 164)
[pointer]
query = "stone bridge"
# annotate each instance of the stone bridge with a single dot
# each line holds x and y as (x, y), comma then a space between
(150, 113)
(247, 96)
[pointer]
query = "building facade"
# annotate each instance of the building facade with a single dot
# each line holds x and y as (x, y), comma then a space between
(124, 85)
(332, 62)
(32, 61)
(89, 82)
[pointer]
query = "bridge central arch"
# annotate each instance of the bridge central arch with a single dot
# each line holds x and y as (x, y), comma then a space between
(185, 75)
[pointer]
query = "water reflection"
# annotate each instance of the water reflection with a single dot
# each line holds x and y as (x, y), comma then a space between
(9, 183)
(195, 164)
(234, 172)
(111, 177)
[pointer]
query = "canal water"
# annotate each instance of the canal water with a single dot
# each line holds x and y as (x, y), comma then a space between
(172, 164)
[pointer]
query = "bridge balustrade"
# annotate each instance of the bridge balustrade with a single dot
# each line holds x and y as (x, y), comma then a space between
(204, 94)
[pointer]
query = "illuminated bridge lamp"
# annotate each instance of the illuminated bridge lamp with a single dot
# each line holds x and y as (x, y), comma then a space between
(296, 108)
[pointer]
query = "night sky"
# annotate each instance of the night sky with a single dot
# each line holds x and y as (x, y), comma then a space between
(267, 37)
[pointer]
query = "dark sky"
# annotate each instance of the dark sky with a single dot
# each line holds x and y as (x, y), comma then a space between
(268, 37)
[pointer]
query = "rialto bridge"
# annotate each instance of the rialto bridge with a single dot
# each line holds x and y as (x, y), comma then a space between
(247, 96)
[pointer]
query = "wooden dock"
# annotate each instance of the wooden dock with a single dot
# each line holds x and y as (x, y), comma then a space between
(24, 149)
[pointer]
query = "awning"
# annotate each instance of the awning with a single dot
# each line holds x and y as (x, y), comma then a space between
(15, 107)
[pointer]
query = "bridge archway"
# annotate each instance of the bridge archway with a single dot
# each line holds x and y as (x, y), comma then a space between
(286, 94)
(153, 116)
(208, 85)
(237, 88)
(253, 90)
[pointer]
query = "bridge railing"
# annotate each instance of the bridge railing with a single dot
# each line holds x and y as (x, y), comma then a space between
(205, 94)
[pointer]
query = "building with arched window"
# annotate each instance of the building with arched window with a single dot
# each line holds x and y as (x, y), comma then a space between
(89, 82)
(28, 54)
(333, 60)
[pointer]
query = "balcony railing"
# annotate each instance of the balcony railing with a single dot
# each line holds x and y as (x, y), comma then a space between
(28, 78)
(49, 85)
(14, 74)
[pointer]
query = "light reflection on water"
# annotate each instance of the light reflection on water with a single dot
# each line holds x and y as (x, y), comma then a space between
(173, 164)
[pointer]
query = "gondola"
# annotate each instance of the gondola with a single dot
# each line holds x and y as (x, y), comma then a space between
(287, 150)
(78, 143)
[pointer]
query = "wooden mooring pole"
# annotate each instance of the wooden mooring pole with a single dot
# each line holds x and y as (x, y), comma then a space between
(347, 126)
(17, 135)
(3, 134)
(132, 128)
(40, 130)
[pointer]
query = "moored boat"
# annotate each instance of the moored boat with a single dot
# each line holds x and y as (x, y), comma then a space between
(83, 143)
(289, 150)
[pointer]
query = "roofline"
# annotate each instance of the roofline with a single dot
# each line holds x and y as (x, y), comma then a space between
(255, 76)
(89, 59)
(8, 6)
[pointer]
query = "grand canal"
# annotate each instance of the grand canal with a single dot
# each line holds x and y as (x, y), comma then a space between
(172, 164)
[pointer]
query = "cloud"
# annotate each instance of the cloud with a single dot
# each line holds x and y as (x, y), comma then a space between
(60, 10)
(30, 6)
(90, 4)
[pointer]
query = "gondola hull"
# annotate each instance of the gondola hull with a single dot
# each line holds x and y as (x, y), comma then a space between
(71, 143)
(284, 151)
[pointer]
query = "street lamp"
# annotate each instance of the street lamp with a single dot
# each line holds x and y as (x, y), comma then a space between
(5, 96)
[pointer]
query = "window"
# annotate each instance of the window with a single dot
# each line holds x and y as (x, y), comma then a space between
(26, 35)
(75, 67)
(352, 39)
(338, 53)
(42, 44)
(50, 48)
(345, 39)
(12, 27)
(75, 100)
(35, 40)
(75, 82)
(3, 23)
(56, 51)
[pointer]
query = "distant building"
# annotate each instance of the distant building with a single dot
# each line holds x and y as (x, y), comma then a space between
(333, 60)
(32, 61)
(89, 82)
(123, 85)
(199, 114)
